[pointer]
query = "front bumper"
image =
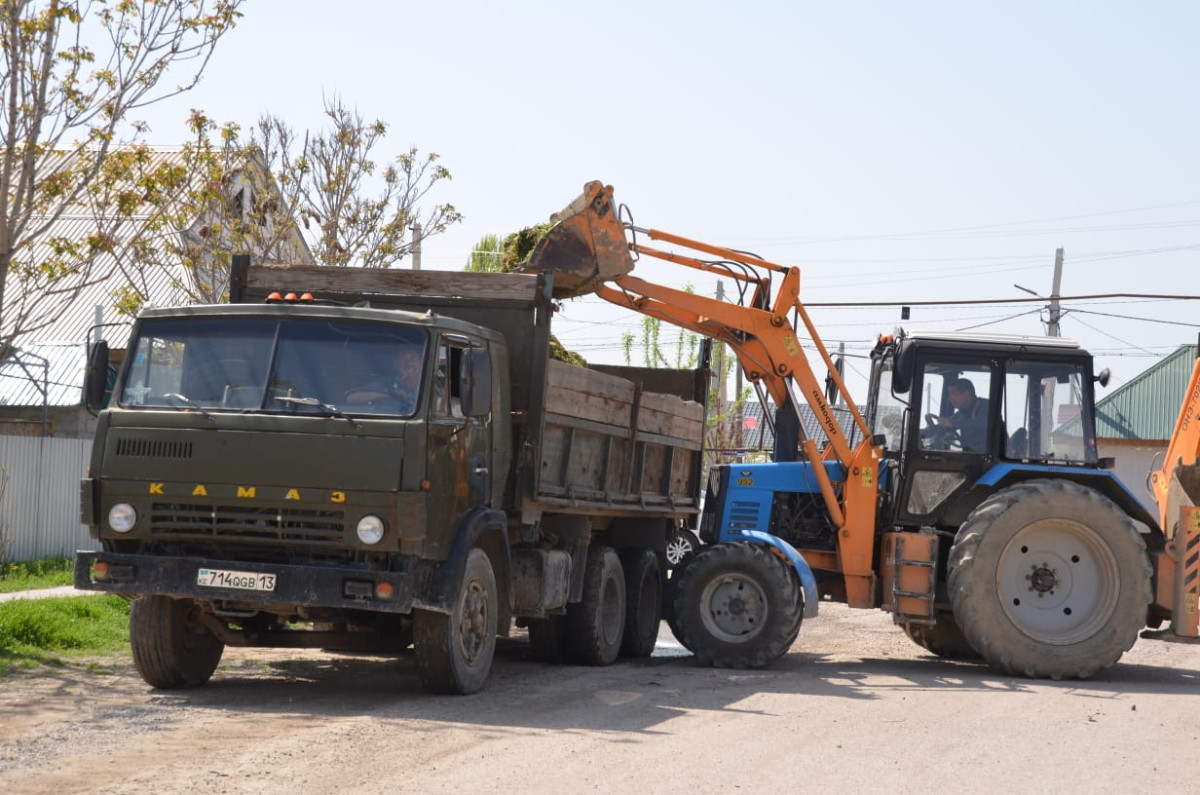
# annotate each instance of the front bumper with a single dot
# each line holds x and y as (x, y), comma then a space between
(307, 586)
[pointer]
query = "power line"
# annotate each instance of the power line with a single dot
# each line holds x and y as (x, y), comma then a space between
(987, 301)
(1135, 317)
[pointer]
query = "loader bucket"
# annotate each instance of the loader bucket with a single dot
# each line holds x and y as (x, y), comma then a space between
(586, 245)
(1183, 491)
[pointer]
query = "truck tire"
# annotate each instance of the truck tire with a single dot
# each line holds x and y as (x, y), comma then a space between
(1049, 579)
(547, 639)
(643, 601)
(737, 606)
(454, 652)
(942, 638)
(171, 648)
(669, 599)
(596, 626)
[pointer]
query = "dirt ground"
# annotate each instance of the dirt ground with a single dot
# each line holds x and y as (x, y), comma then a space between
(854, 705)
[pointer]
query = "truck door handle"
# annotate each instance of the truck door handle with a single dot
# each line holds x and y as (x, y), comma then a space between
(481, 470)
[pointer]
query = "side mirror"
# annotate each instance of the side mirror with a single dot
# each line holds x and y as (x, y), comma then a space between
(476, 380)
(95, 378)
(1103, 376)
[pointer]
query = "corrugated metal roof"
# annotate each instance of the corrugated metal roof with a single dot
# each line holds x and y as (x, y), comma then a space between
(755, 432)
(22, 374)
(1146, 407)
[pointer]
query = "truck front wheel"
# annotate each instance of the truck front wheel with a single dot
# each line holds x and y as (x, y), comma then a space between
(737, 606)
(171, 646)
(454, 652)
(1049, 578)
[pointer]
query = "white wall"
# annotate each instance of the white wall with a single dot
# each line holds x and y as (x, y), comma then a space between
(39, 497)
(1133, 466)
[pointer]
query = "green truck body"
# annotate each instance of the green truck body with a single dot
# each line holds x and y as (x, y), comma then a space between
(240, 499)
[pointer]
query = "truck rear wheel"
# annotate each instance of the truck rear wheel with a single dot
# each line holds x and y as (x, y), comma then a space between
(454, 652)
(1049, 579)
(942, 638)
(737, 606)
(171, 647)
(643, 601)
(596, 626)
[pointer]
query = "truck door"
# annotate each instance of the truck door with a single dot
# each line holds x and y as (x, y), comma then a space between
(459, 446)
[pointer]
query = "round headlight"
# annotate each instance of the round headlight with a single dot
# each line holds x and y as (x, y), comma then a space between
(370, 529)
(122, 517)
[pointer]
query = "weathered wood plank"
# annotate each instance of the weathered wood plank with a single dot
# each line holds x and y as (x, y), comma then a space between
(381, 281)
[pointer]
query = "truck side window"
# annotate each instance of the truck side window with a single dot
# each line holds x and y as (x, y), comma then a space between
(447, 385)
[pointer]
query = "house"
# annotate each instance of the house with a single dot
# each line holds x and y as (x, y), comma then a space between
(1135, 422)
(108, 270)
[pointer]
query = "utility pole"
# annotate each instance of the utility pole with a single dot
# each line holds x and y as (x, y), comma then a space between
(416, 249)
(1052, 329)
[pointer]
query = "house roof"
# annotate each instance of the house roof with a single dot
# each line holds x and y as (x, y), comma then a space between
(57, 367)
(756, 433)
(41, 315)
(1147, 406)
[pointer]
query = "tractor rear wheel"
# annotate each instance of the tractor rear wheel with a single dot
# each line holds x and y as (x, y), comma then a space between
(736, 606)
(1049, 578)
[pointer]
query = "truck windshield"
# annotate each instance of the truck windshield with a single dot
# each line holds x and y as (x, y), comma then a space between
(289, 366)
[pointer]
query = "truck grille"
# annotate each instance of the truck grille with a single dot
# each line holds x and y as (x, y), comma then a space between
(153, 448)
(288, 525)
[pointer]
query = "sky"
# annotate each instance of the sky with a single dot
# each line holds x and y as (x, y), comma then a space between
(892, 151)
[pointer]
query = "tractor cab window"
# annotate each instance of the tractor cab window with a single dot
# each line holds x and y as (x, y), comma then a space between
(887, 419)
(1044, 413)
(955, 407)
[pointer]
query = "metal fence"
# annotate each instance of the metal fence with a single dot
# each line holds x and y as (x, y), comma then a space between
(39, 497)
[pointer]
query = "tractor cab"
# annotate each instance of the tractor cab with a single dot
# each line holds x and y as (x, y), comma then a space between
(950, 408)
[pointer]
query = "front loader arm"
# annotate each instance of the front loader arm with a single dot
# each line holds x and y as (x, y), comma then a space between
(584, 249)
(1177, 484)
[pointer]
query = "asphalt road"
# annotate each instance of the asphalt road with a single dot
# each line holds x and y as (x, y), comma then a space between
(854, 707)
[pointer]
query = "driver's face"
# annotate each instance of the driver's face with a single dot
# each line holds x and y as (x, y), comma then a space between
(959, 398)
(407, 362)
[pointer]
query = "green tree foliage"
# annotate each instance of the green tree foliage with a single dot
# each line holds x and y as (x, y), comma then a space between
(486, 256)
(329, 176)
(215, 199)
(76, 74)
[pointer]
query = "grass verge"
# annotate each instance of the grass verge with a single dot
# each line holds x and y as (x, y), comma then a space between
(47, 573)
(53, 631)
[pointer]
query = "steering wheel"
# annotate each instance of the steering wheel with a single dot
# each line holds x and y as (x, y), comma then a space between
(940, 437)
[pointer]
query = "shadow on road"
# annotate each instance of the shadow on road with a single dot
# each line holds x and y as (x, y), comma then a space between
(631, 696)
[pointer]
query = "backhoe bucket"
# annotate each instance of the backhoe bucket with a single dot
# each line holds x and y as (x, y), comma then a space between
(1183, 530)
(586, 245)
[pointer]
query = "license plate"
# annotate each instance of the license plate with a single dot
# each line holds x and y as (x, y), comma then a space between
(242, 580)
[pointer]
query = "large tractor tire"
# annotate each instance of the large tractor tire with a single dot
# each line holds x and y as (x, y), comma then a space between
(643, 601)
(596, 626)
(737, 606)
(942, 638)
(454, 652)
(1049, 579)
(171, 648)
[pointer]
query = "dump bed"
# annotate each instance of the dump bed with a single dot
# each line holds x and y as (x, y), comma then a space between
(605, 441)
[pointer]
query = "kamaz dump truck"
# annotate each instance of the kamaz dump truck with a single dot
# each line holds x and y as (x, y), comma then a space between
(261, 477)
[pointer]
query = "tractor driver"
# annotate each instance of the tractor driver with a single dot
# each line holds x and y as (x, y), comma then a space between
(970, 416)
